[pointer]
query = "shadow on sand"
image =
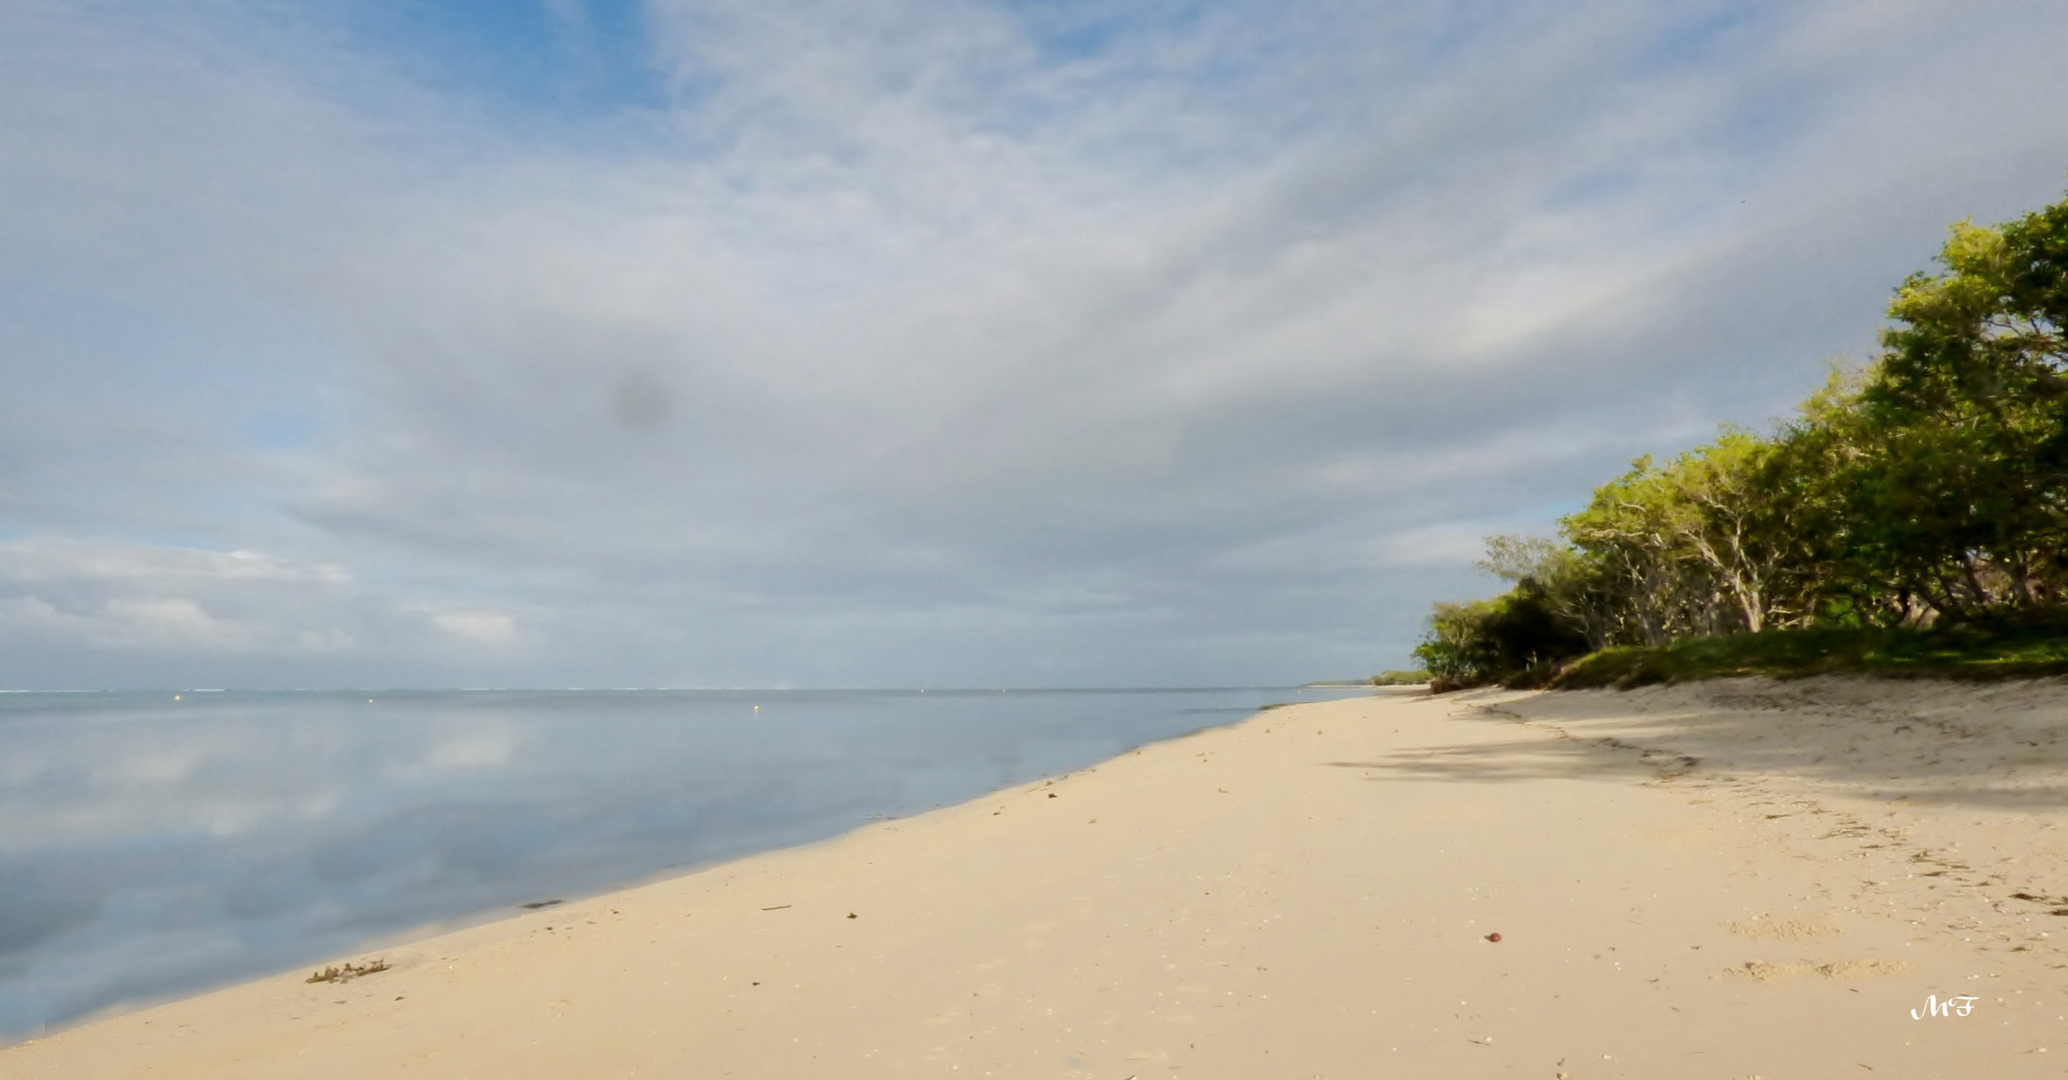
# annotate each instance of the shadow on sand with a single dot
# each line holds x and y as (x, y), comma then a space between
(2003, 746)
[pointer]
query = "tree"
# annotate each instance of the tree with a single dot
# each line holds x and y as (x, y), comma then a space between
(1695, 540)
(1931, 485)
(1970, 399)
(1575, 586)
(1832, 543)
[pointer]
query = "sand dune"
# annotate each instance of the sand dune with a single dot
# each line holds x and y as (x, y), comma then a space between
(1738, 879)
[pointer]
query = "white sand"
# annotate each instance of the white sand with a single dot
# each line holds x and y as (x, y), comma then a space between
(1304, 895)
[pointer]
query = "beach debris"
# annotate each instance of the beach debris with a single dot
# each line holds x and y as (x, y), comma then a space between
(1051, 794)
(850, 914)
(348, 972)
(537, 904)
(1494, 937)
(778, 907)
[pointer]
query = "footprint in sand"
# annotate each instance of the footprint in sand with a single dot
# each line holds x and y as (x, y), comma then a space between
(1771, 928)
(1765, 971)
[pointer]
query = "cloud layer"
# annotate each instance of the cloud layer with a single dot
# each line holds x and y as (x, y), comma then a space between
(884, 343)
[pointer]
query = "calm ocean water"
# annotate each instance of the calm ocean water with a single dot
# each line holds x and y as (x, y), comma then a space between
(151, 848)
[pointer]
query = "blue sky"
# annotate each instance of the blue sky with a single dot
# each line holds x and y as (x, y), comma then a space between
(523, 61)
(871, 342)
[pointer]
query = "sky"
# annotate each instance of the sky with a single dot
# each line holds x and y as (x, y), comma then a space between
(860, 343)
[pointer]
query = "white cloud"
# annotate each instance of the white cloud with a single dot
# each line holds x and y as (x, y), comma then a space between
(1448, 544)
(124, 597)
(905, 317)
(478, 628)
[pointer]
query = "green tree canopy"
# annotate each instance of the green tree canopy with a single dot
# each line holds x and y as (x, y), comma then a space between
(1931, 486)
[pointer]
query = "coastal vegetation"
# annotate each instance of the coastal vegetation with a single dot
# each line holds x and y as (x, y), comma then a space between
(1912, 516)
(1399, 678)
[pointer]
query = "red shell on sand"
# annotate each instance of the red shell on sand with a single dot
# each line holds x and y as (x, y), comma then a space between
(1493, 937)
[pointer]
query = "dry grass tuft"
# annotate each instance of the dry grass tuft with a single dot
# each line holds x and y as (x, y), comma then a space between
(348, 972)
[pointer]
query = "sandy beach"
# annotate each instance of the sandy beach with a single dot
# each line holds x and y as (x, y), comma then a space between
(1729, 880)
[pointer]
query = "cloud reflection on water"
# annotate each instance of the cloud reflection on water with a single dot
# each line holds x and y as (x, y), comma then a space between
(153, 848)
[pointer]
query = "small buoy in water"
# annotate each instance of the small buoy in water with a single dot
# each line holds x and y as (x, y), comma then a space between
(757, 708)
(175, 697)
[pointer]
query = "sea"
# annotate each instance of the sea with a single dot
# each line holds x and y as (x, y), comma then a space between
(157, 845)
